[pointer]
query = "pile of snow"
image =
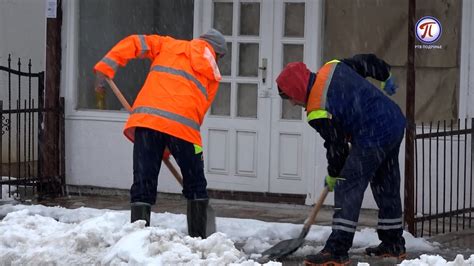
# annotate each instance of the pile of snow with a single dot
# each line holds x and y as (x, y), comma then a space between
(53, 235)
(95, 237)
(436, 260)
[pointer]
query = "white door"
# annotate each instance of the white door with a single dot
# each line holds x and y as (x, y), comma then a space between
(253, 140)
(293, 157)
(237, 128)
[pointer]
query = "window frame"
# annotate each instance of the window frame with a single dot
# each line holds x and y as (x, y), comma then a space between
(69, 74)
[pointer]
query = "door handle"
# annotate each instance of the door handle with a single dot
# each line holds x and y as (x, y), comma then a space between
(263, 68)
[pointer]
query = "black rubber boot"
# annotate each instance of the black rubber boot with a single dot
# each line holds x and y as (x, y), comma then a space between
(197, 217)
(140, 211)
(387, 251)
(325, 258)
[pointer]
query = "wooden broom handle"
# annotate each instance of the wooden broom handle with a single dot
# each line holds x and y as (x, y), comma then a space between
(316, 208)
(119, 94)
(127, 106)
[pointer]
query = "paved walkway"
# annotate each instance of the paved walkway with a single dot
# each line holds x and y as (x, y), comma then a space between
(451, 244)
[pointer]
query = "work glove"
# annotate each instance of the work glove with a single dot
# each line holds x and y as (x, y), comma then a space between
(166, 154)
(331, 182)
(389, 86)
(99, 84)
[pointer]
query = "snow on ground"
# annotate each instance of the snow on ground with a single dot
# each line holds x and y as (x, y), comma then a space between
(35, 234)
(427, 260)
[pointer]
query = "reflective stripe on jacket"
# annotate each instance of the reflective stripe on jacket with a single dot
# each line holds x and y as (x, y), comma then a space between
(317, 96)
(179, 89)
(363, 111)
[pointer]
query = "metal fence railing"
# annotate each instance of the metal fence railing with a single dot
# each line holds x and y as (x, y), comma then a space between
(22, 114)
(443, 173)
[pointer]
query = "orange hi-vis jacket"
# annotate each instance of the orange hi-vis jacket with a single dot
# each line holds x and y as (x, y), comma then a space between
(179, 89)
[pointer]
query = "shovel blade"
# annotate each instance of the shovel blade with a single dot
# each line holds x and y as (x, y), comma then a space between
(211, 221)
(286, 247)
(282, 249)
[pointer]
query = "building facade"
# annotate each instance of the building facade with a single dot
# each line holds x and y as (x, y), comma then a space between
(253, 141)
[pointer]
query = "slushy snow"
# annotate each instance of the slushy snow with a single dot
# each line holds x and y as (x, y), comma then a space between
(35, 234)
(39, 235)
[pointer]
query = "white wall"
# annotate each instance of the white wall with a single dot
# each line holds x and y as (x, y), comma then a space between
(23, 31)
(23, 35)
(98, 154)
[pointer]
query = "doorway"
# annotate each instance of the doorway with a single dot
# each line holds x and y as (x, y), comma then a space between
(255, 141)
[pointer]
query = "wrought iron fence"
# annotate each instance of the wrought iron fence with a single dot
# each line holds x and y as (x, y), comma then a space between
(443, 185)
(22, 116)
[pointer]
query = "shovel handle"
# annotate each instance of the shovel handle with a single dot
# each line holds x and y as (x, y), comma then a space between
(127, 106)
(173, 170)
(119, 94)
(315, 209)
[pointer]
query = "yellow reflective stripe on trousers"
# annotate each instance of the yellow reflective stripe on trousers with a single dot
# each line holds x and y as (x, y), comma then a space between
(197, 149)
(318, 114)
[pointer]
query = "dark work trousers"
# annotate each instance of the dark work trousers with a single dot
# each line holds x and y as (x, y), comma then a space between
(379, 167)
(147, 155)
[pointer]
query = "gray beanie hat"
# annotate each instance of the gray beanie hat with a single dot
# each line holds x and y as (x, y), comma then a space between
(216, 40)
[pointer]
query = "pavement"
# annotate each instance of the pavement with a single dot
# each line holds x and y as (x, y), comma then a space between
(451, 244)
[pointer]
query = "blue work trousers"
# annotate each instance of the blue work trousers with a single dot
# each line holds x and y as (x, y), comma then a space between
(379, 167)
(147, 156)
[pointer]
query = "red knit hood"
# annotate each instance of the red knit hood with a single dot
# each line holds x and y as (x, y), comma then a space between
(293, 81)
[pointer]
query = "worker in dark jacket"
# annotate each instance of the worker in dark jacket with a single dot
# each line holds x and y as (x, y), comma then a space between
(362, 129)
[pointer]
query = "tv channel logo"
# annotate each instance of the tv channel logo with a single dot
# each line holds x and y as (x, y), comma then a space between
(428, 30)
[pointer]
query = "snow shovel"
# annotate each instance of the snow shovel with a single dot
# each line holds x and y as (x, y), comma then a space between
(211, 216)
(286, 247)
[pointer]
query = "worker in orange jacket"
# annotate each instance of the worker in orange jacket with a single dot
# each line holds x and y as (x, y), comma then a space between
(168, 112)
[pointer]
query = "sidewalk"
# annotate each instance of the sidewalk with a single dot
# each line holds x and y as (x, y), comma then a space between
(450, 244)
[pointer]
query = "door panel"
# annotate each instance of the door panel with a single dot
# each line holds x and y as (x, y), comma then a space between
(290, 166)
(218, 151)
(247, 160)
(291, 53)
(237, 128)
(292, 140)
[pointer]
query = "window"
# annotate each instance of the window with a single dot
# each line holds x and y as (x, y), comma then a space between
(380, 27)
(104, 23)
(292, 50)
